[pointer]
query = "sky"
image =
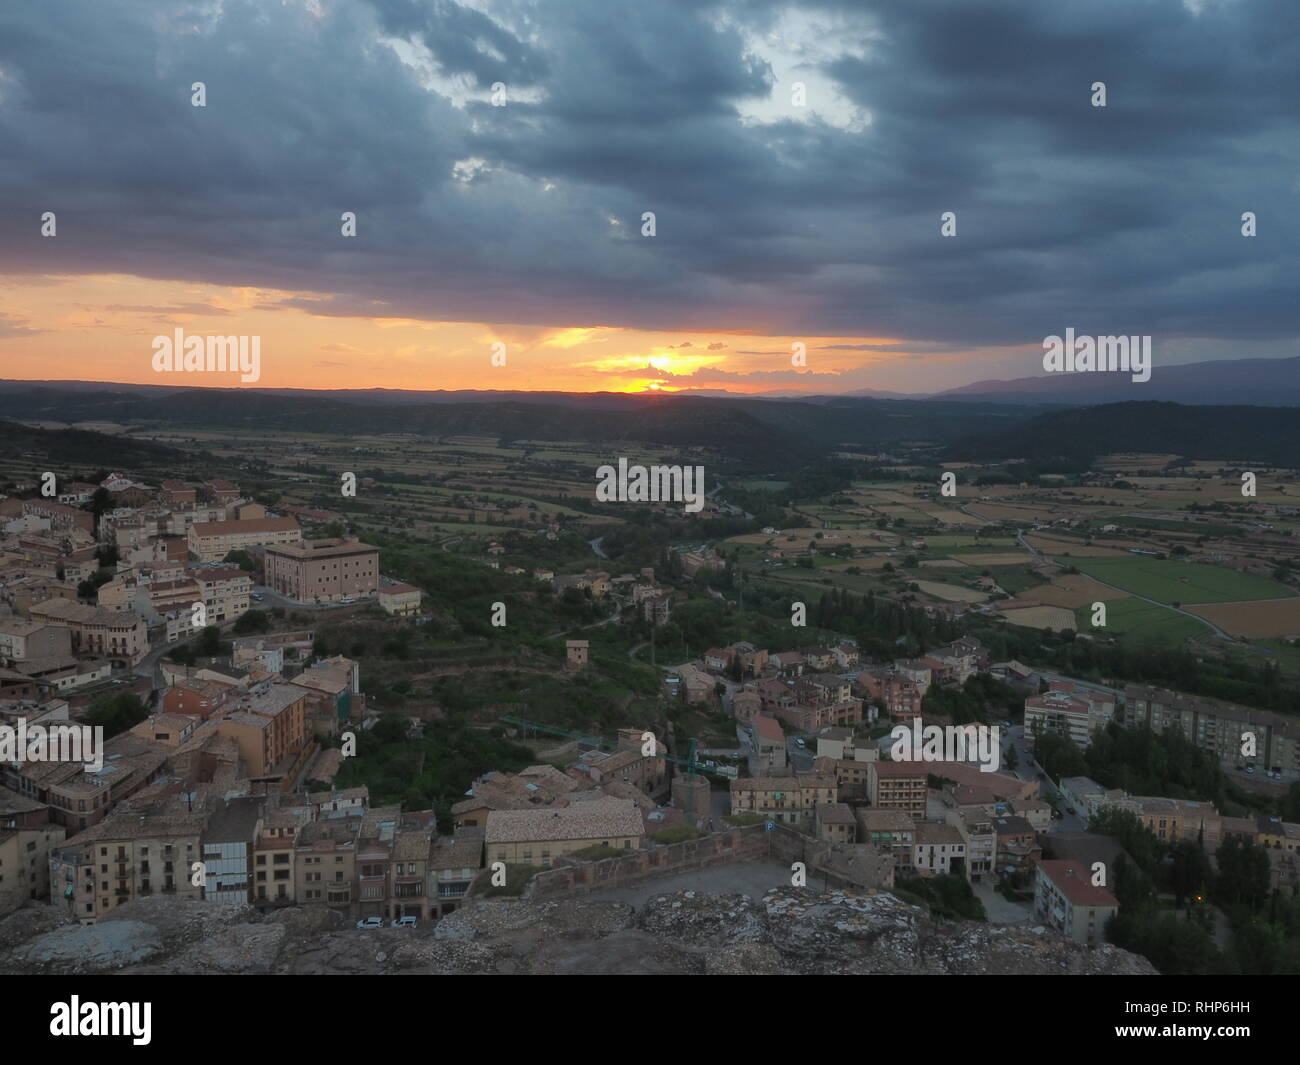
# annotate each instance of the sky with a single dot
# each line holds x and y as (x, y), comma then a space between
(500, 157)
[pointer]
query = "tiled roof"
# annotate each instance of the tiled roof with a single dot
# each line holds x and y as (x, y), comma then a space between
(606, 819)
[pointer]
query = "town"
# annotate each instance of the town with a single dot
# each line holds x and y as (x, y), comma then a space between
(201, 630)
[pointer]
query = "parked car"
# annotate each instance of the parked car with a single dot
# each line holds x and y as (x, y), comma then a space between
(801, 743)
(1250, 769)
(403, 922)
(257, 596)
(371, 922)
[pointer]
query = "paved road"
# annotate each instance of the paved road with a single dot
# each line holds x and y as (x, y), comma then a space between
(977, 517)
(1001, 910)
(800, 758)
(618, 613)
(275, 599)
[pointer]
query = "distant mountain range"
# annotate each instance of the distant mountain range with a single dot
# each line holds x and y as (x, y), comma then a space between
(766, 433)
(1073, 438)
(1252, 382)
(1255, 382)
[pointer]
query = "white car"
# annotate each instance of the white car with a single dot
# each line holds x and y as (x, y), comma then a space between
(371, 922)
(403, 922)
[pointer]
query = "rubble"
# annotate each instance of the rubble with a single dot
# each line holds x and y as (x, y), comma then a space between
(787, 931)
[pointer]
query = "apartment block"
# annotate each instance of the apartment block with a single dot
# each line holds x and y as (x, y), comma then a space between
(322, 570)
(61, 518)
(78, 799)
(1225, 729)
(453, 865)
(212, 541)
(1065, 899)
(409, 895)
(1069, 710)
(1017, 844)
(938, 850)
(20, 640)
(375, 839)
(27, 838)
(898, 786)
(269, 728)
(120, 635)
(892, 689)
(892, 831)
(225, 591)
(143, 848)
(785, 799)
(1173, 820)
(976, 831)
(228, 841)
(323, 867)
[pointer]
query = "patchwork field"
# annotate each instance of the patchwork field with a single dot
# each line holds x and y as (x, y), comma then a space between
(870, 562)
(1072, 591)
(977, 543)
(951, 592)
(1136, 621)
(952, 517)
(1182, 582)
(1001, 513)
(1042, 617)
(1278, 617)
(1074, 548)
(1006, 559)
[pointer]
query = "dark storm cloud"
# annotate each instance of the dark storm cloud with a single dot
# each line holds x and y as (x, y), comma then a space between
(1117, 219)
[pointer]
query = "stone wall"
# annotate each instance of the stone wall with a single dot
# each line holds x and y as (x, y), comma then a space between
(579, 878)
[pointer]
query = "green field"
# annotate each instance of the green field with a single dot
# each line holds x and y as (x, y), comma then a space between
(1013, 579)
(1136, 622)
(1190, 527)
(1180, 582)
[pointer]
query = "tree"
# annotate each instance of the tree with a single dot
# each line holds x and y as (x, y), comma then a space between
(243, 560)
(116, 713)
(252, 621)
(1189, 870)
(1244, 873)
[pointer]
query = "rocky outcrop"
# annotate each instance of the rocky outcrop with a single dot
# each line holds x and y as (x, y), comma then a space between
(787, 931)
